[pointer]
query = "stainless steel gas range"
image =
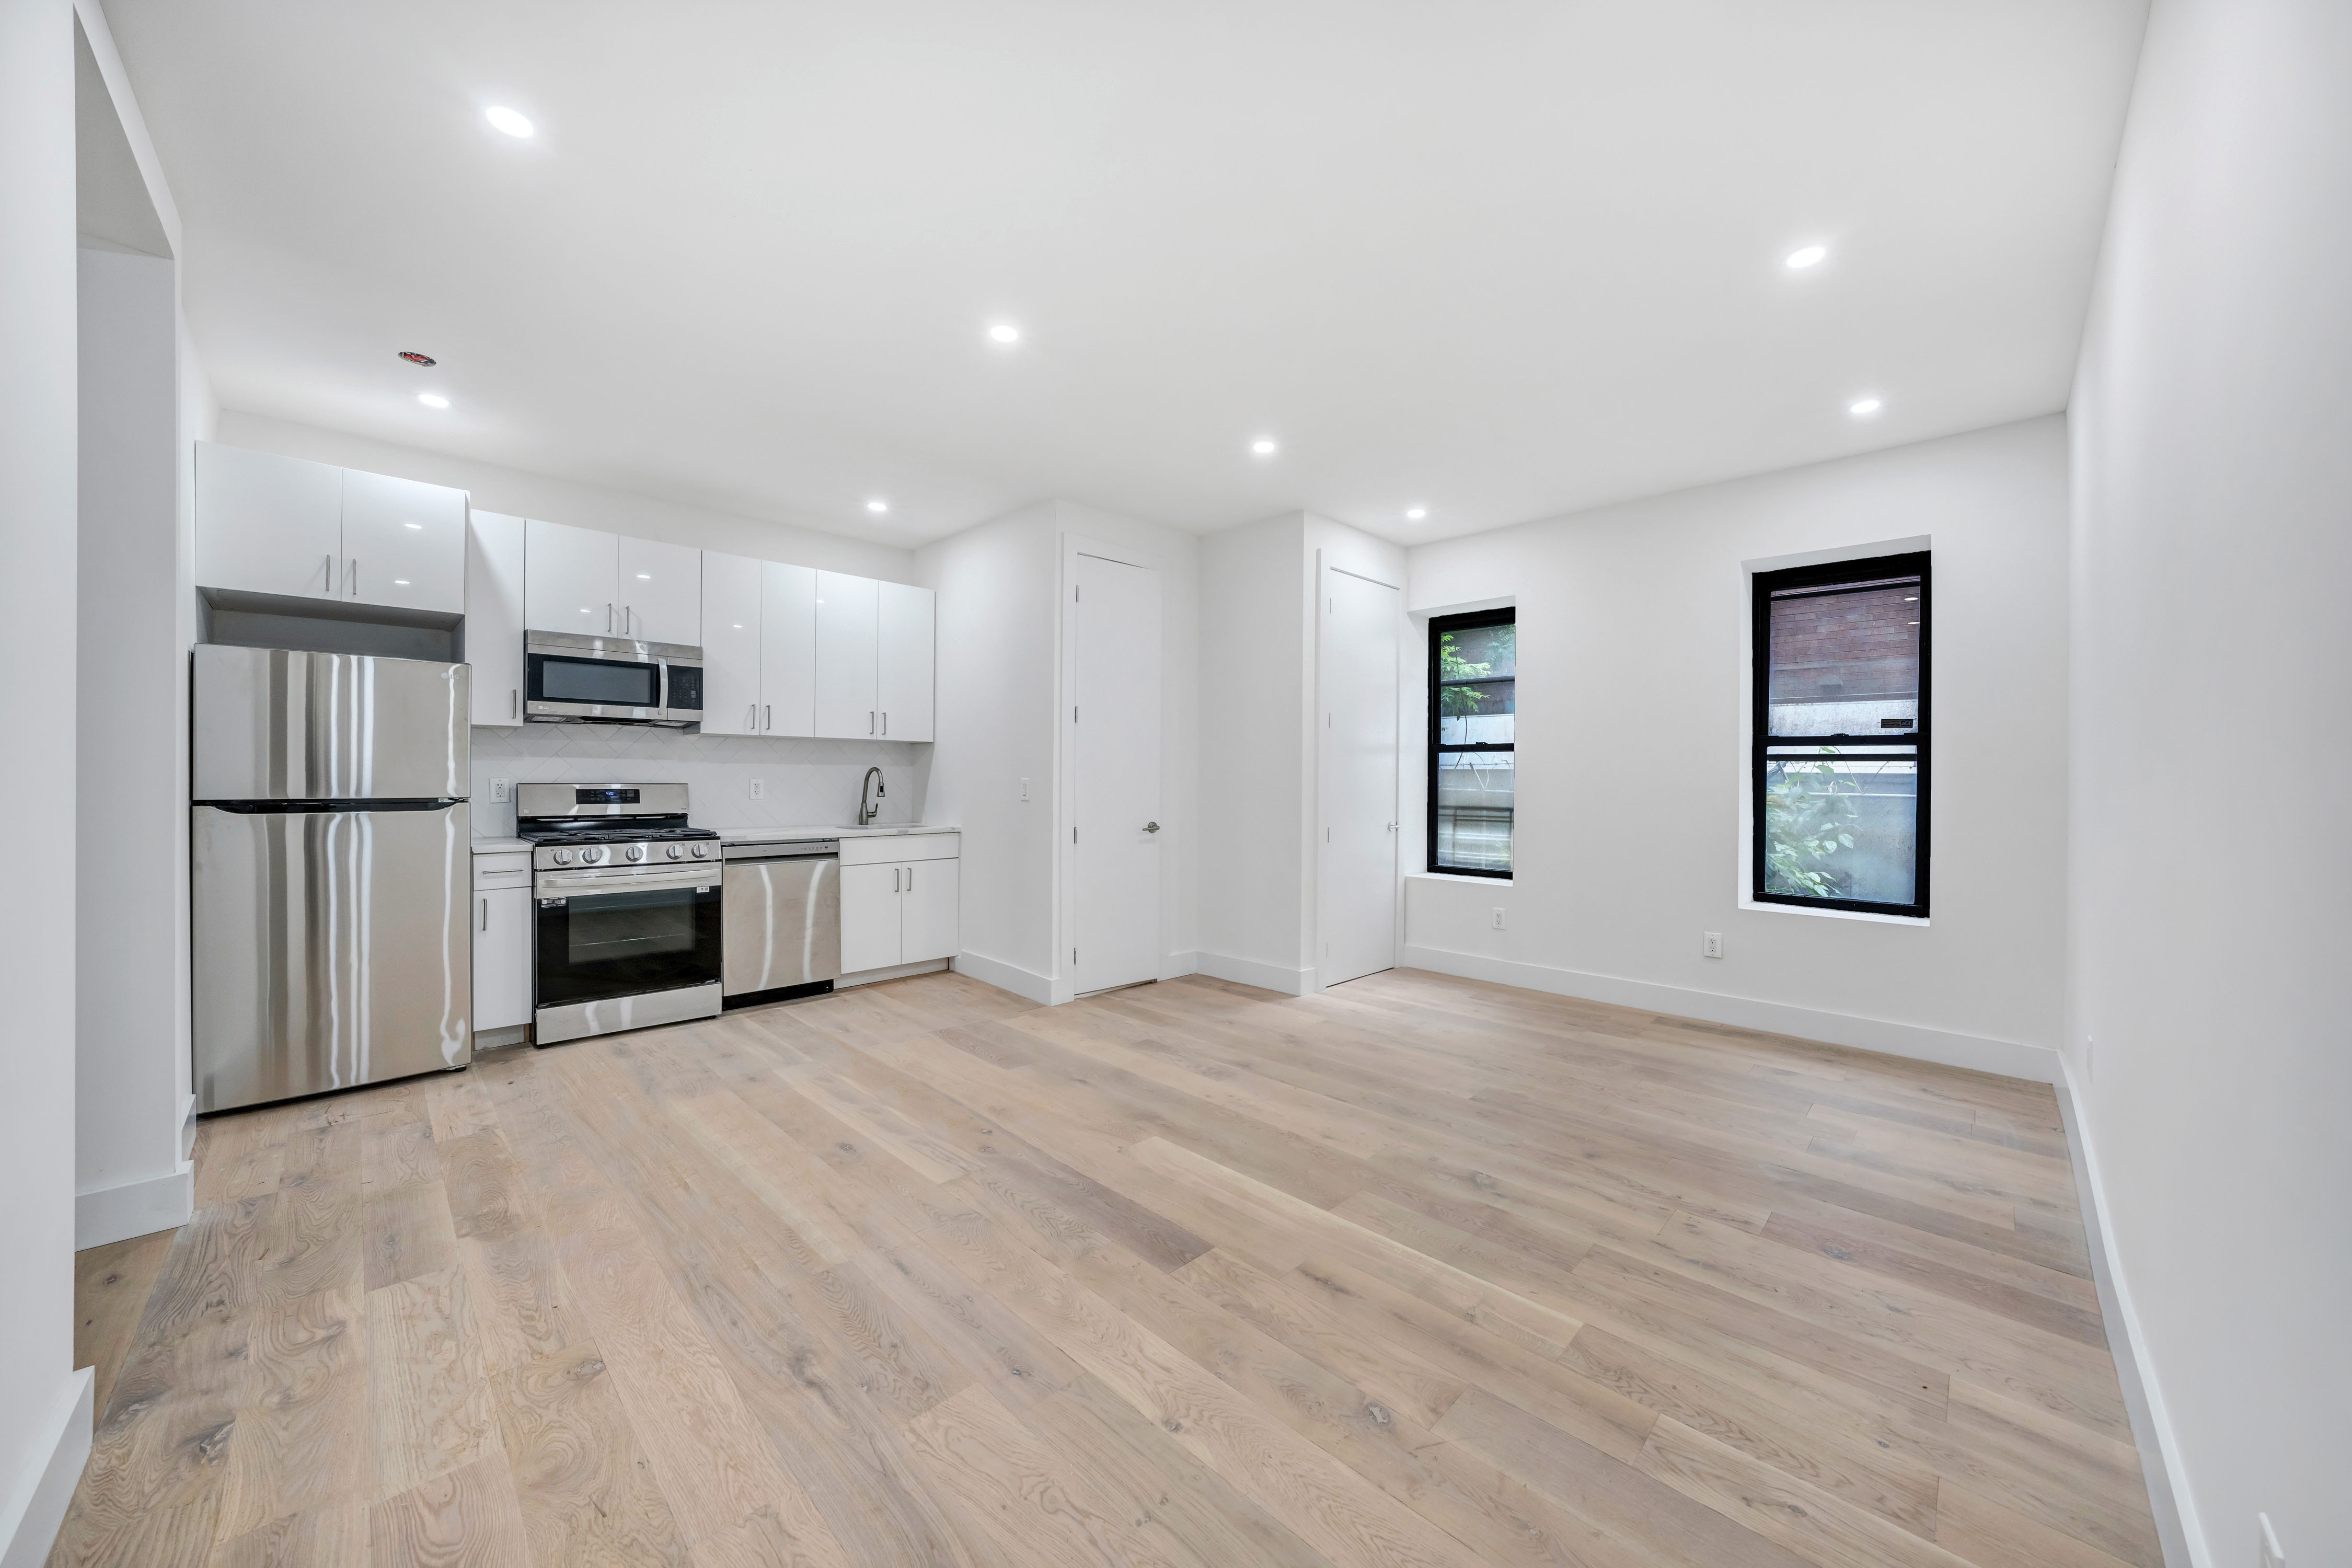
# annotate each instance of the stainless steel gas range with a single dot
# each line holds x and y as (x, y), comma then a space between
(627, 930)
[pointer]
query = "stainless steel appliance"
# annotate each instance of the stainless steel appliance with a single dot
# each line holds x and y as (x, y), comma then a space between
(783, 920)
(627, 908)
(331, 862)
(572, 679)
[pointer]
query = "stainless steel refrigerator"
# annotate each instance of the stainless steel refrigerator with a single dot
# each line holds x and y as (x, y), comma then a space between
(331, 872)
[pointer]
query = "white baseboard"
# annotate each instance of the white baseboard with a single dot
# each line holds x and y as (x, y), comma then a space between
(38, 1496)
(135, 1208)
(188, 1127)
(1038, 988)
(2169, 1495)
(894, 972)
(1250, 972)
(1176, 965)
(2038, 1064)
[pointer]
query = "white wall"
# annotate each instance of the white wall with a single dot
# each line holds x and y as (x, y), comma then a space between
(1000, 700)
(38, 1389)
(1632, 634)
(1260, 801)
(2212, 430)
(519, 494)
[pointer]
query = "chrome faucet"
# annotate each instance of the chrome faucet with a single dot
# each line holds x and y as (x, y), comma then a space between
(870, 809)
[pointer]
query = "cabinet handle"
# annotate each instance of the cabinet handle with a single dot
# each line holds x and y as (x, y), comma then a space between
(514, 701)
(886, 721)
(355, 576)
(869, 721)
(751, 720)
(772, 718)
(910, 879)
(608, 620)
(486, 914)
(330, 572)
(894, 879)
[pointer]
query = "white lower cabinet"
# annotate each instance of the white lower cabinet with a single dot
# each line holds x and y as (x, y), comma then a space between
(899, 911)
(501, 957)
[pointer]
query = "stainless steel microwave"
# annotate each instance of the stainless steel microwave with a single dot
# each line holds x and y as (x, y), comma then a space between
(573, 679)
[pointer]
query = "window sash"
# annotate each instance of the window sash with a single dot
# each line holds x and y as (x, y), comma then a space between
(1440, 749)
(1913, 746)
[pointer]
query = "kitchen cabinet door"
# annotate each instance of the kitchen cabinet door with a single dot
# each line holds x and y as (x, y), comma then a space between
(404, 543)
(494, 548)
(870, 900)
(787, 649)
(568, 578)
(660, 588)
(266, 524)
(730, 644)
(927, 913)
(903, 676)
(502, 920)
(848, 613)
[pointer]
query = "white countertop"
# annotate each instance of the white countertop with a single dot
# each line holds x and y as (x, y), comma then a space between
(760, 834)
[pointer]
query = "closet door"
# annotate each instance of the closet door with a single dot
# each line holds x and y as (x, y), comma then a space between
(730, 641)
(787, 649)
(903, 680)
(848, 612)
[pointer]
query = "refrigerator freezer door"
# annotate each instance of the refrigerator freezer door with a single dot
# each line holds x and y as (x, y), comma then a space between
(274, 724)
(330, 949)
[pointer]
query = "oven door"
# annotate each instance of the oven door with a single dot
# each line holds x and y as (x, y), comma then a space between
(620, 950)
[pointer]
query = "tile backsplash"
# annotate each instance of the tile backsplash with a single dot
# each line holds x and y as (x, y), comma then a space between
(804, 783)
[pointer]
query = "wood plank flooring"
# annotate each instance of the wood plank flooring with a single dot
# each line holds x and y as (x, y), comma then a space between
(1418, 1271)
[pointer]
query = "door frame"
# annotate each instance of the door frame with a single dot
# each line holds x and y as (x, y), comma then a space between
(1066, 749)
(1323, 565)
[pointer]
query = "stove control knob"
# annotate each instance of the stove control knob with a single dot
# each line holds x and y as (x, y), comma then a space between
(561, 856)
(676, 851)
(590, 856)
(634, 851)
(702, 851)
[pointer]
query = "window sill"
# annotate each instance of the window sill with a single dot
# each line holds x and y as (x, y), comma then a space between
(1457, 876)
(1919, 920)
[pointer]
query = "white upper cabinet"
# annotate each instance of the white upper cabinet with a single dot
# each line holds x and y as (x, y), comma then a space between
(404, 543)
(787, 649)
(494, 552)
(266, 524)
(660, 587)
(848, 629)
(903, 682)
(730, 644)
(568, 581)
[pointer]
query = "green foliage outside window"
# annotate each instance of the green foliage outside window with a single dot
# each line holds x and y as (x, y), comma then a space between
(1808, 816)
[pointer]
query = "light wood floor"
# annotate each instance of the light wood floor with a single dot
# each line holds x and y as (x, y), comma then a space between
(1190, 1276)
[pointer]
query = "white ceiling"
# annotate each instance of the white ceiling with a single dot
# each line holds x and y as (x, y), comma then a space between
(1504, 259)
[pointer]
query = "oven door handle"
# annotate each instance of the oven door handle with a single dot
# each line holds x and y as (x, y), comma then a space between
(578, 887)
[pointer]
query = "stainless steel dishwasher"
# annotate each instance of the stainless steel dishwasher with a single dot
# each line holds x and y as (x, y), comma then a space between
(780, 919)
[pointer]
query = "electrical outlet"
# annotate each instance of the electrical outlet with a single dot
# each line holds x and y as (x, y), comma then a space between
(759, 788)
(1710, 944)
(501, 789)
(2273, 1556)
(1498, 917)
(1024, 789)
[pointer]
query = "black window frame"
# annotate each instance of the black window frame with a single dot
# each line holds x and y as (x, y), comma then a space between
(1919, 739)
(1470, 620)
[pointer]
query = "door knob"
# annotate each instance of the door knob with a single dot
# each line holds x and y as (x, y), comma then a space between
(1151, 827)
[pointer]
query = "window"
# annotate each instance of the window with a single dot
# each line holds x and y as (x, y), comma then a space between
(1473, 714)
(1842, 735)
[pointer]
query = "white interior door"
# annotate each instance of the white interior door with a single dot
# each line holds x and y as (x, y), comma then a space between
(1360, 775)
(1113, 664)
(730, 644)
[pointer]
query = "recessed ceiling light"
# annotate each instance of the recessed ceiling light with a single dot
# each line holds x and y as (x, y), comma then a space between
(878, 506)
(1004, 332)
(508, 121)
(645, 576)
(1863, 407)
(416, 525)
(1416, 512)
(403, 583)
(1264, 447)
(413, 357)
(1809, 256)
(432, 400)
